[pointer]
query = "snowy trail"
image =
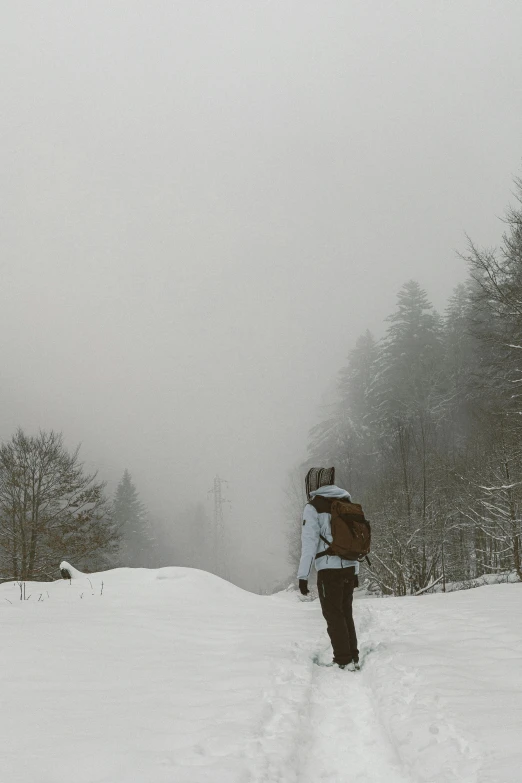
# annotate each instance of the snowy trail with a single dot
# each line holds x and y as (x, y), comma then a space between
(345, 739)
(321, 725)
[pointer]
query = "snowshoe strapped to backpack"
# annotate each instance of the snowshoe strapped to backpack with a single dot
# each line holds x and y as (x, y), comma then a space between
(318, 477)
(351, 532)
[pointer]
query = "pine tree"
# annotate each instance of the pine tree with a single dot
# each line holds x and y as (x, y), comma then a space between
(130, 515)
(406, 403)
(355, 386)
(344, 439)
(409, 371)
(460, 349)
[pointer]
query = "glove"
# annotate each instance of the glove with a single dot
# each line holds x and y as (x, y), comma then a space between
(303, 586)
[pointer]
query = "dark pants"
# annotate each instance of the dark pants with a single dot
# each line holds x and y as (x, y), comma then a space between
(335, 587)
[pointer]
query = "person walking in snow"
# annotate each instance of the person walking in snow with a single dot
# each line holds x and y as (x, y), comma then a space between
(336, 577)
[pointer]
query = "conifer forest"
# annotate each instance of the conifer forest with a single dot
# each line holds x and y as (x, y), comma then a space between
(426, 427)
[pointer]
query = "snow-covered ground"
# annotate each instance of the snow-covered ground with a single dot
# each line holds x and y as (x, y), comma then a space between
(175, 676)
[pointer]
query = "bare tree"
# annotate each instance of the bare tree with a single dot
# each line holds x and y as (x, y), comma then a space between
(50, 509)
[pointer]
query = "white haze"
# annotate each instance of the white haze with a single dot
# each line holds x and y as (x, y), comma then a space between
(205, 203)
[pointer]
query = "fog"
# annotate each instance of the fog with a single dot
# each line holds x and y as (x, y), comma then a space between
(205, 203)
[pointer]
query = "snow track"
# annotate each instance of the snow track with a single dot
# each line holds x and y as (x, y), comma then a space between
(345, 740)
(384, 723)
(322, 724)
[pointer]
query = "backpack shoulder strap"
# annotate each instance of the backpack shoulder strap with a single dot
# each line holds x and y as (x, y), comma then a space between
(321, 504)
(325, 551)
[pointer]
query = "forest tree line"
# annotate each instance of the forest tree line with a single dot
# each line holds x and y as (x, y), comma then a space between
(53, 509)
(426, 428)
(425, 431)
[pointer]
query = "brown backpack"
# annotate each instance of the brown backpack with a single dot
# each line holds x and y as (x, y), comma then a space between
(351, 532)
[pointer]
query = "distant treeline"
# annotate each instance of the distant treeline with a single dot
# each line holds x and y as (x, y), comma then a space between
(51, 509)
(426, 430)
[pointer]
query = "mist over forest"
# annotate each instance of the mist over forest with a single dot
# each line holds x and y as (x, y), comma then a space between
(244, 242)
(424, 431)
(426, 427)
(233, 246)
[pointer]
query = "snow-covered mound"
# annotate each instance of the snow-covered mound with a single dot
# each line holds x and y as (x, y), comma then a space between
(136, 675)
(69, 571)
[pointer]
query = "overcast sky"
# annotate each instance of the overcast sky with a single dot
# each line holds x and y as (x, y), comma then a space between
(205, 203)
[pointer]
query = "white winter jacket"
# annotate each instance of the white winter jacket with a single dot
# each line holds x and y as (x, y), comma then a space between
(316, 525)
